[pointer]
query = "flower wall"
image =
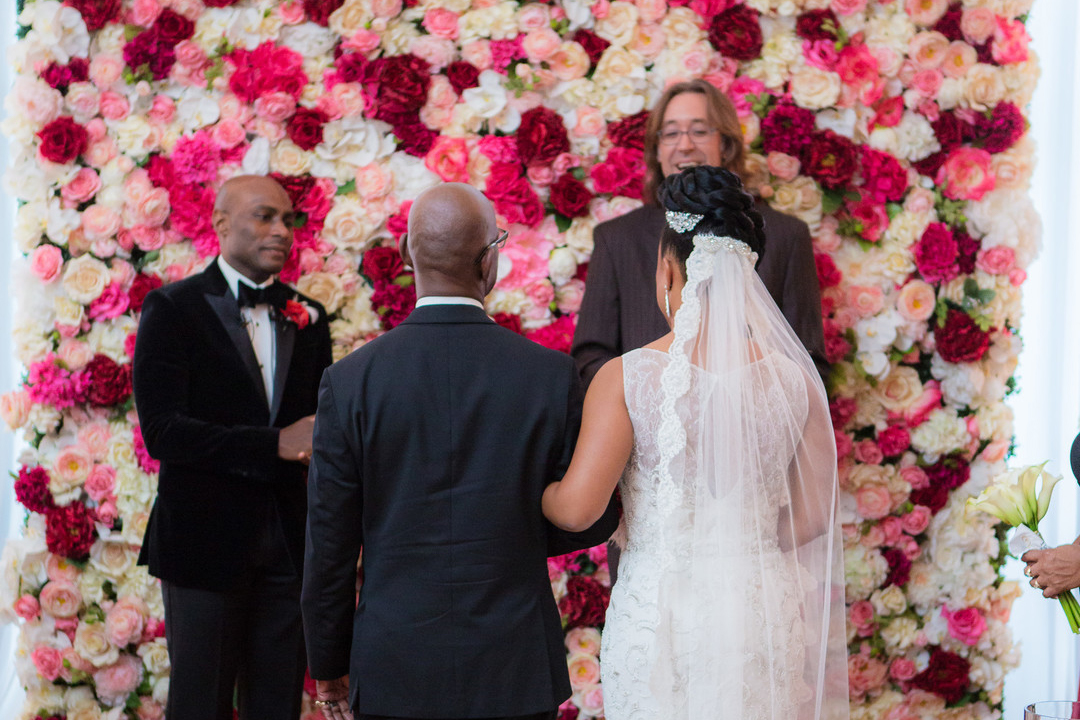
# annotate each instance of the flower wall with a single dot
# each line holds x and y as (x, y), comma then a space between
(896, 130)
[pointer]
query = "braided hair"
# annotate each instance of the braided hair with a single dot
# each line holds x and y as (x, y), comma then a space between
(718, 195)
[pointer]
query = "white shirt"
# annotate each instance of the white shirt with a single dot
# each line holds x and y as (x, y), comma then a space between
(448, 300)
(260, 328)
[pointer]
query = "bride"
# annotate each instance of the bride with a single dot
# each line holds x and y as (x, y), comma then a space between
(729, 602)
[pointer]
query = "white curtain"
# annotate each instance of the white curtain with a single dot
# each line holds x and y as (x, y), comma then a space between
(1047, 406)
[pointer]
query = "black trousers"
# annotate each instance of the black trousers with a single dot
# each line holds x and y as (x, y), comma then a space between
(536, 716)
(248, 641)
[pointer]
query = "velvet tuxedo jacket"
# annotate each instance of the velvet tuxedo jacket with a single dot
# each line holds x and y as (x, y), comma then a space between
(204, 415)
(619, 311)
(433, 445)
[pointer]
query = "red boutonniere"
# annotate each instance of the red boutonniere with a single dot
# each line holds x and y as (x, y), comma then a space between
(297, 312)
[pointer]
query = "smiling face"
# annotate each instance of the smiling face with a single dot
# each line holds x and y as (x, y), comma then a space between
(687, 111)
(254, 223)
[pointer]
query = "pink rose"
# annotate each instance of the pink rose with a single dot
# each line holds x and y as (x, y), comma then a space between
(540, 45)
(927, 82)
(865, 674)
(959, 58)
(98, 154)
(478, 54)
(191, 56)
(526, 268)
(46, 262)
(291, 12)
(228, 133)
(27, 607)
(916, 477)
(968, 174)
(844, 444)
(145, 12)
(916, 521)
(540, 175)
(101, 482)
(857, 66)
(540, 293)
(868, 452)
(873, 502)
(925, 12)
(386, 8)
(998, 260)
(106, 513)
(1010, 43)
(94, 437)
(114, 683)
(82, 187)
(449, 159)
(866, 300)
(978, 24)
(71, 466)
(47, 662)
(1017, 276)
(142, 236)
(150, 710)
(903, 669)
(276, 107)
(60, 598)
(84, 100)
(72, 660)
(966, 625)
(568, 297)
(785, 167)
(106, 69)
(995, 451)
(153, 208)
(441, 22)
(916, 301)
(125, 621)
(114, 106)
(861, 613)
(112, 302)
(584, 670)
(924, 405)
(848, 7)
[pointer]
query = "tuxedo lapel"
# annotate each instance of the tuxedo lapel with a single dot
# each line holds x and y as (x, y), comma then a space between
(285, 339)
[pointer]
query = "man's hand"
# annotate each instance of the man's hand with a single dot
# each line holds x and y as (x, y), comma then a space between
(294, 441)
(332, 698)
(1053, 570)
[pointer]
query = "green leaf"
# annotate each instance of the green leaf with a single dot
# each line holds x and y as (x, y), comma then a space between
(941, 310)
(893, 209)
(831, 200)
(347, 188)
(403, 280)
(562, 222)
(579, 173)
(299, 219)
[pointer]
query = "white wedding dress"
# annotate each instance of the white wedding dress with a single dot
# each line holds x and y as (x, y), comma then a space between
(670, 633)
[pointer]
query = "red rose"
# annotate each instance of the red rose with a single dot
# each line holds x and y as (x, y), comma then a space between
(585, 602)
(828, 274)
(69, 531)
(836, 346)
(787, 129)
(192, 209)
(381, 264)
(96, 13)
(140, 288)
(949, 24)
(173, 28)
(32, 490)
(842, 409)
(398, 223)
(817, 25)
(110, 382)
(319, 11)
(296, 313)
(512, 195)
(403, 82)
(893, 440)
(930, 164)
(60, 76)
(415, 137)
(946, 675)
(961, 340)
(951, 131)
(569, 712)
(1002, 129)
(936, 254)
(305, 127)
(932, 497)
(296, 187)
(63, 140)
(630, 131)
(967, 250)
(871, 217)
(899, 567)
(148, 52)
(949, 472)
(266, 69)
(570, 197)
(830, 159)
(884, 178)
(620, 173)
(541, 136)
(393, 303)
(462, 76)
(736, 33)
(508, 321)
(594, 44)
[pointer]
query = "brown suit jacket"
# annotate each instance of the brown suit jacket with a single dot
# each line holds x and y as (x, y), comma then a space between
(619, 311)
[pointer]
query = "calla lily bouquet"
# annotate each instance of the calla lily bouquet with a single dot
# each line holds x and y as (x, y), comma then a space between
(1021, 497)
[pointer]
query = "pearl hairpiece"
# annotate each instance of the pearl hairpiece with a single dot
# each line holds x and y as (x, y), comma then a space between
(714, 243)
(682, 222)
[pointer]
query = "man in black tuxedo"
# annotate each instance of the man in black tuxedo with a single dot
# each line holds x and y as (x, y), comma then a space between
(226, 372)
(693, 123)
(433, 445)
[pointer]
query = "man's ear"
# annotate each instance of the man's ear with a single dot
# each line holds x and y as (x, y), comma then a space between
(220, 222)
(403, 250)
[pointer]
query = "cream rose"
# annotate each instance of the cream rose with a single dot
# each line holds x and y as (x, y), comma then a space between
(983, 87)
(900, 389)
(814, 88)
(92, 643)
(288, 159)
(347, 225)
(619, 24)
(85, 278)
(323, 287)
(155, 656)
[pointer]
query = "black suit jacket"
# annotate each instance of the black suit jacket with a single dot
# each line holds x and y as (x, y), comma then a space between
(433, 445)
(204, 414)
(619, 311)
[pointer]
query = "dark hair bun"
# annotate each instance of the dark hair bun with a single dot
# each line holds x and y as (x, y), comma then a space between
(717, 194)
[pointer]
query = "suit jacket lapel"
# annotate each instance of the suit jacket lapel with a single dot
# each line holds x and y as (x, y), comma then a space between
(228, 312)
(285, 339)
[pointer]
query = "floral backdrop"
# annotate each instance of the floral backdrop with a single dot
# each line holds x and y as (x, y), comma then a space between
(895, 129)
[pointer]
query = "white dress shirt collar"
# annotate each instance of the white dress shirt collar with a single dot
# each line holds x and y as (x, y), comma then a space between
(448, 300)
(233, 276)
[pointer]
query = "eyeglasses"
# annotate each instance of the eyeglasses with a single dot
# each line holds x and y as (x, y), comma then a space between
(498, 242)
(697, 135)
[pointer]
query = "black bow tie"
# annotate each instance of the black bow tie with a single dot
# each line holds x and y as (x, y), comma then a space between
(248, 296)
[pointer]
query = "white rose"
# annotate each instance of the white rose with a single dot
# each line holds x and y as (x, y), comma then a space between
(288, 158)
(155, 656)
(57, 27)
(309, 39)
(347, 225)
(890, 601)
(619, 24)
(562, 264)
(815, 88)
(324, 287)
(91, 643)
(85, 278)
(196, 108)
(942, 433)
